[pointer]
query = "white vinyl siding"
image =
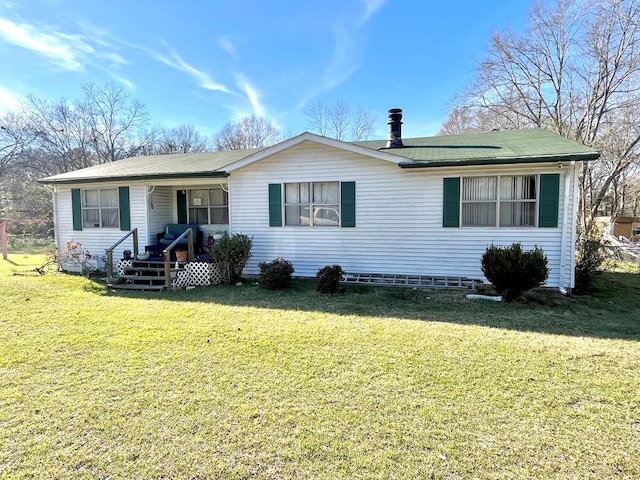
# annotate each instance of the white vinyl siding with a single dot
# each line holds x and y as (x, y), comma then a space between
(399, 212)
(96, 240)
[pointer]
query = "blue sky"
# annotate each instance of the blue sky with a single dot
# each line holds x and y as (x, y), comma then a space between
(209, 62)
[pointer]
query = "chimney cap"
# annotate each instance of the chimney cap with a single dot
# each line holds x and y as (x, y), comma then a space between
(395, 128)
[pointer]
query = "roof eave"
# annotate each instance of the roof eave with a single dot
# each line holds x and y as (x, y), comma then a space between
(123, 178)
(463, 162)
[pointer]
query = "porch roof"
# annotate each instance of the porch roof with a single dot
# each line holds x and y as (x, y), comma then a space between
(204, 164)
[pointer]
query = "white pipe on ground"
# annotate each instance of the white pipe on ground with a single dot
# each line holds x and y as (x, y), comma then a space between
(493, 298)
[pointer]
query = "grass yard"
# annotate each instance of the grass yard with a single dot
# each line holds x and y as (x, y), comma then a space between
(237, 382)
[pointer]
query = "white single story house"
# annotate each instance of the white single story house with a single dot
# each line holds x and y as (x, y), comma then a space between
(417, 206)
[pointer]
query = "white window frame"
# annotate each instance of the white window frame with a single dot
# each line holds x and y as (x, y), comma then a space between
(99, 208)
(205, 203)
(313, 206)
(497, 201)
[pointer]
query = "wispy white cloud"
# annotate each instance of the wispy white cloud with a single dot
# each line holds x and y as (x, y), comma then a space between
(65, 50)
(114, 59)
(370, 8)
(9, 101)
(204, 80)
(72, 52)
(120, 79)
(347, 58)
(225, 44)
(252, 94)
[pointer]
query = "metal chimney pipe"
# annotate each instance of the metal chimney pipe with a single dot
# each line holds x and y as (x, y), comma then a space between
(395, 128)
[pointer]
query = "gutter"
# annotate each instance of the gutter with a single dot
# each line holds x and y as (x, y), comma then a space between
(123, 178)
(463, 162)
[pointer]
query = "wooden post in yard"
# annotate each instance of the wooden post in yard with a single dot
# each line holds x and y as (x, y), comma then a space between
(3, 237)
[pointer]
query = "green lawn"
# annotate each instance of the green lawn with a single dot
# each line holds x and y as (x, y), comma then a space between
(237, 382)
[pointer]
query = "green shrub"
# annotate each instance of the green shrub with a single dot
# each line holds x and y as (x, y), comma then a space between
(329, 279)
(276, 274)
(512, 271)
(588, 261)
(231, 254)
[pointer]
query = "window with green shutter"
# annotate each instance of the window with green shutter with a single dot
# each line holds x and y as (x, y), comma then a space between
(100, 208)
(501, 201)
(312, 204)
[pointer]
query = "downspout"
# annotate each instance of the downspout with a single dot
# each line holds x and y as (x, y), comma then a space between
(229, 203)
(56, 226)
(563, 242)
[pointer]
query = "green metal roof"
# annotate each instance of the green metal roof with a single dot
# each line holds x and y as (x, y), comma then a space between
(489, 148)
(495, 147)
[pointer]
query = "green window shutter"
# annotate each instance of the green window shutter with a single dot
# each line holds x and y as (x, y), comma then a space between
(181, 200)
(76, 208)
(125, 210)
(348, 206)
(275, 205)
(451, 202)
(549, 200)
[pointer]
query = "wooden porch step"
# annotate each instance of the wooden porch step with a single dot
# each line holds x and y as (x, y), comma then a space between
(135, 286)
(143, 278)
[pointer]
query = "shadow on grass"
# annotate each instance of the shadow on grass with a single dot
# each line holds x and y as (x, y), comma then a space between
(612, 310)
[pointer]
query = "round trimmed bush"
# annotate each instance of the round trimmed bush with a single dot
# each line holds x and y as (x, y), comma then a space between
(276, 274)
(329, 279)
(513, 271)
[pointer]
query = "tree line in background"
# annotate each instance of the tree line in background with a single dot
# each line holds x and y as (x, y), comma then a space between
(47, 138)
(574, 70)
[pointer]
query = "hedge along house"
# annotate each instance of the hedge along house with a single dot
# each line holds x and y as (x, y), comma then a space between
(421, 206)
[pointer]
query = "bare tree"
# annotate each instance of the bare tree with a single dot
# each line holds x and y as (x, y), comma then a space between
(576, 71)
(62, 137)
(340, 121)
(250, 132)
(182, 139)
(103, 126)
(14, 138)
(113, 117)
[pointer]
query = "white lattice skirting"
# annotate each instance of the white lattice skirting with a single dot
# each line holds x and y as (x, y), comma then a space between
(198, 274)
(123, 266)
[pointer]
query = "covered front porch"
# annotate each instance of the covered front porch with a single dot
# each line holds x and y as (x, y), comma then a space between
(177, 222)
(204, 206)
(144, 271)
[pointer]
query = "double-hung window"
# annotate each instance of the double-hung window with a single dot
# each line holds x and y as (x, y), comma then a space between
(312, 204)
(100, 208)
(505, 201)
(208, 206)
